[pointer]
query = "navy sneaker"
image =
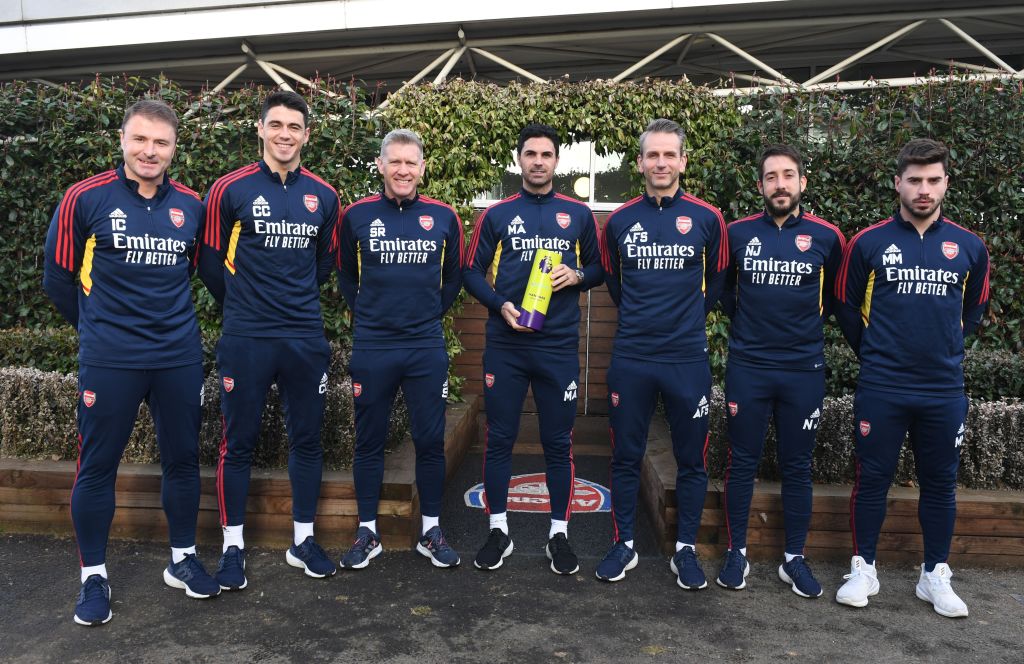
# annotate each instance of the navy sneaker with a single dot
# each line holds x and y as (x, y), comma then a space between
(93, 605)
(494, 551)
(311, 558)
(364, 549)
(231, 569)
(733, 574)
(798, 575)
(619, 560)
(190, 575)
(434, 546)
(686, 567)
(563, 560)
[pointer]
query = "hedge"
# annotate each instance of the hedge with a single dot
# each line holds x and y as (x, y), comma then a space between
(38, 420)
(992, 455)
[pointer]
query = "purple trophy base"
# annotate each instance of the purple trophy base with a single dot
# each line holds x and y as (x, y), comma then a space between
(531, 319)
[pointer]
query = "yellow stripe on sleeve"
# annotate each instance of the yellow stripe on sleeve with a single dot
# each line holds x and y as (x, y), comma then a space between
(229, 260)
(86, 274)
(865, 307)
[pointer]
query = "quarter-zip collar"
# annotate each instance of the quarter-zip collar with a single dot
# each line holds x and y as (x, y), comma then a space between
(792, 220)
(290, 178)
(399, 204)
(934, 226)
(537, 198)
(662, 202)
(162, 189)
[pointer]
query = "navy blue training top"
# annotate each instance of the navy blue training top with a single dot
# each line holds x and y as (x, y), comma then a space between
(906, 301)
(267, 248)
(400, 269)
(117, 266)
(503, 245)
(779, 289)
(665, 261)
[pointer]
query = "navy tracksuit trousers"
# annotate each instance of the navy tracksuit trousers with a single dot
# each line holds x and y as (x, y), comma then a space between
(248, 367)
(793, 400)
(633, 390)
(554, 376)
(422, 373)
(108, 405)
(936, 425)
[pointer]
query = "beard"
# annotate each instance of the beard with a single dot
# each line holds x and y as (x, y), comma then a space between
(908, 205)
(779, 210)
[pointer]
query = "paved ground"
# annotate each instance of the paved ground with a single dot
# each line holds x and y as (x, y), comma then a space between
(401, 609)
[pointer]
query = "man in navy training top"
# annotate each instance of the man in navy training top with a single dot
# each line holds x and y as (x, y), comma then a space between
(910, 289)
(267, 248)
(118, 259)
(665, 255)
(400, 269)
(517, 357)
(779, 286)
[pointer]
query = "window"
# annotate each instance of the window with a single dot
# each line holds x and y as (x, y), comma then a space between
(604, 182)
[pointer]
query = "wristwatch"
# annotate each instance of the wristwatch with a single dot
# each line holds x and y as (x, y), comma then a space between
(579, 275)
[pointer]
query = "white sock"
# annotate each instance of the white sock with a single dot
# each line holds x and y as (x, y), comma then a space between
(429, 522)
(233, 537)
(628, 543)
(558, 526)
(372, 525)
(500, 521)
(743, 550)
(300, 531)
(177, 555)
(791, 556)
(100, 569)
(680, 545)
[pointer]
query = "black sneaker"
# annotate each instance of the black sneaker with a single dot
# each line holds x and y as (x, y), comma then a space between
(497, 547)
(563, 560)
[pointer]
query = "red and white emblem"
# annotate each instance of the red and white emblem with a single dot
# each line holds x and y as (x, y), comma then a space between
(357, 389)
(563, 219)
(89, 398)
(615, 398)
(803, 242)
(733, 408)
(950, 250)
(229, 383)
(489, 380)
(684, 224)
(865, 427)
(311, 202)
(427, 222)
(177, 217)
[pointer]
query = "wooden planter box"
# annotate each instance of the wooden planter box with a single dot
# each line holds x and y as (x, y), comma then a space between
(35, 497)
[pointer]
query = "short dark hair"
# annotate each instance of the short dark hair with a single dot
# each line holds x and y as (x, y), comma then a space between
(288, 99)
(154, 109)
(537, 130)
(922, 151)
(780, 150)
(664, 126)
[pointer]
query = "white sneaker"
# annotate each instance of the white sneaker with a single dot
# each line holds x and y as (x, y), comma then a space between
(862, 582)
(934, 587)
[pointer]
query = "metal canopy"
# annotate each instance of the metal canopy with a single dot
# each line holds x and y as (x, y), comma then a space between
(782, 45)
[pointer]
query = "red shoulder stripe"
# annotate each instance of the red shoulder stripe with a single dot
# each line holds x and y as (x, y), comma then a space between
(211, 236)
(723, 245)
(305, 171)
(827, 224)
(844, 267)
(474, 241)
(185, 190)
(65, 251)
(740, 221)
